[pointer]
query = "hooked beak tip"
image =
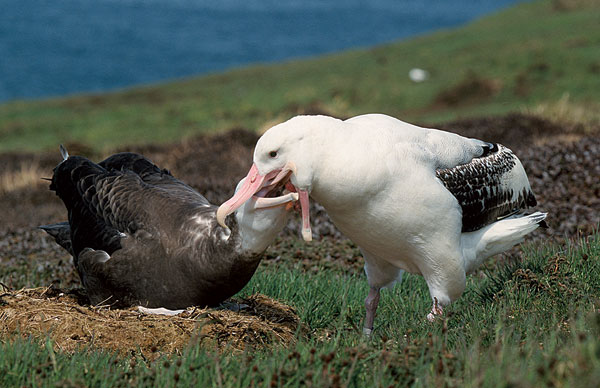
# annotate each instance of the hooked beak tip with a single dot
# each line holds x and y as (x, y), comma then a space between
(222, 212)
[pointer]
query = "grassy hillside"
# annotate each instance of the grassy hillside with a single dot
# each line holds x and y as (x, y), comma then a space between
(532, 54)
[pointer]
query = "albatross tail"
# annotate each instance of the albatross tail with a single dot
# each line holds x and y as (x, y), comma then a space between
(497, 237)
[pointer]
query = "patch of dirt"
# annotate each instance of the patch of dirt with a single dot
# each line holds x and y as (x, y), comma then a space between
(312, 108)
(571, 5)
(471, 89)
(73, 325)
(519, 132)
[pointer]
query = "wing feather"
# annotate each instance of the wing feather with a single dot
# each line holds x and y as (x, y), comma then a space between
(121, 195)
(489, 187)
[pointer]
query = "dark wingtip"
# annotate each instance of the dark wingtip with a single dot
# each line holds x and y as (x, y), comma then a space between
(61, 232)
(543, 224)
(530, 201)
(488, 149)
(55, 228)
(52, 231)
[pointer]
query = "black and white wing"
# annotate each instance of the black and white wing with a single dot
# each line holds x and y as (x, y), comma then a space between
(489, 187)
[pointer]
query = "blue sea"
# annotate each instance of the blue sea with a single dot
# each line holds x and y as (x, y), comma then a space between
(57, 47)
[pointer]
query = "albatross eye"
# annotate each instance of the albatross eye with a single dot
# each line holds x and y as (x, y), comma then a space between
(273, 154)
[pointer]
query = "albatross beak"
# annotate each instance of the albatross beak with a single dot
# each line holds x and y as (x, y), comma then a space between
(304, 208)
(306, 230)
(254, 182)
(263, 203)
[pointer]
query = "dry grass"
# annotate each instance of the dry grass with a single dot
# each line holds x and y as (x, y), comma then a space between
(576, 118)
(26, 176)
(43, 312)
(470, 90)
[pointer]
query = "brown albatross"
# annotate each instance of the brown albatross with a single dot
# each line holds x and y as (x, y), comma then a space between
(139, 236)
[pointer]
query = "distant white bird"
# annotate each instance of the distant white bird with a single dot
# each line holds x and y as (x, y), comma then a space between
(413, 199)
(418, 75)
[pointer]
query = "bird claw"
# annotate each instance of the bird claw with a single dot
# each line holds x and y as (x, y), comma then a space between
(436, 311)
(233, 306)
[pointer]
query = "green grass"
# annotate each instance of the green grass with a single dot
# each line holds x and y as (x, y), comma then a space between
(531, 54)
(528, 323)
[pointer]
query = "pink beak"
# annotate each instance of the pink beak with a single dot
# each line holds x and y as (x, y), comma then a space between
(254, 183)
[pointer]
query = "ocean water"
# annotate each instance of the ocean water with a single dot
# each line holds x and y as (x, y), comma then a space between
(57, 47)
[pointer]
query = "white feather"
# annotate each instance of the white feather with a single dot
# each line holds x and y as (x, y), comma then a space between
(497, 238)
(159, 311)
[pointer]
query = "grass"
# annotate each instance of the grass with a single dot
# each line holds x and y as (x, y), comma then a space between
(528, 323)
(567, 113)
(519, 58)
(27, 175)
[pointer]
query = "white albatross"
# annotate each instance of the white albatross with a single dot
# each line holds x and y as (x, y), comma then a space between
(412, 199)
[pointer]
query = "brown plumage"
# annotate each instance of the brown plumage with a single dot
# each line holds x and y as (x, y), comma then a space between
(139, 236)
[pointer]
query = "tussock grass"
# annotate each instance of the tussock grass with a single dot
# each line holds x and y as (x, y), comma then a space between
(576, 118)
(26, 176)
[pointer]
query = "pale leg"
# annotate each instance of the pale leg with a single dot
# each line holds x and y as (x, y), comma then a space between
(371, 303)
(380, 274)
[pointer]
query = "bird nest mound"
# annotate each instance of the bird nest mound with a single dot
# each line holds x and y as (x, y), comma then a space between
(64, 317)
